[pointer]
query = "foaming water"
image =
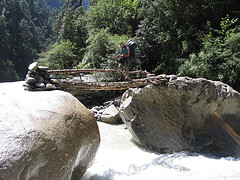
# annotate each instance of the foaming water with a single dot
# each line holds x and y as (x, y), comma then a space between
(118, 158)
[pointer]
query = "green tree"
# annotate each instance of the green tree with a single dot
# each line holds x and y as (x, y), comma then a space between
(4, 43)
(219, 58)
(99, 51)
(120, 17)
(72, 4)
(25, 30)
(171, 30)
(157, 37)
(71, 26)
(60, 55)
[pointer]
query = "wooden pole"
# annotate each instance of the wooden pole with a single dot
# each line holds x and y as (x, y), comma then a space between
(76, 71)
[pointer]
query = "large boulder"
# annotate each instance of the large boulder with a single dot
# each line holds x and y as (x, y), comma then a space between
(44, 135)
(184, 114)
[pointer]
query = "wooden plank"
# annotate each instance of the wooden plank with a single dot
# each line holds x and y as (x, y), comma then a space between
(99, 86)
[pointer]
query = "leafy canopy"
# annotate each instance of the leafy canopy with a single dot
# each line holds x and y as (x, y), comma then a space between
(219, 58)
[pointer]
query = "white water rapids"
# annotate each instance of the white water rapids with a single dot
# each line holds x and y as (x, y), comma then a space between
(118, 158)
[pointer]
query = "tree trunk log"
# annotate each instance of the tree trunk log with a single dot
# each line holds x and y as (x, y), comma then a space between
(66, 85)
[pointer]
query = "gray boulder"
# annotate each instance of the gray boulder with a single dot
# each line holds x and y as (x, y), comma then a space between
(185, 114)
(110, 115)
(44, 135)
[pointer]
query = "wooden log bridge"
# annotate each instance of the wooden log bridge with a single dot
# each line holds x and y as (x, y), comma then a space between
(42, 79)
(106, 86)
(110, 86)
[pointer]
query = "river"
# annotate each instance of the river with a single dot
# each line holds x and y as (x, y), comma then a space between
(118, 158)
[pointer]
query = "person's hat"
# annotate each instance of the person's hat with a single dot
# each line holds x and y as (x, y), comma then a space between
(120, 43)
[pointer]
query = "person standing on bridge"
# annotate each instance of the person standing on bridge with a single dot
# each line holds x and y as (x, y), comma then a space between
(123, 59)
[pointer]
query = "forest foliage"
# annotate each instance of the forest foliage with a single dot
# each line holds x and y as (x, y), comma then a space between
(195, 38)
(25, 30)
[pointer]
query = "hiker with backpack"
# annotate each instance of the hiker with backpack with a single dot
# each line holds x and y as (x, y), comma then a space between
(126, 55)
(123, 59)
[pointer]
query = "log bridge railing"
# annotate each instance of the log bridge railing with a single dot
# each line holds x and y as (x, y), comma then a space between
(107, 86)
(77, 71)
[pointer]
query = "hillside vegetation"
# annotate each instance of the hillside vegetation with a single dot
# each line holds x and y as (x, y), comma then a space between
(194, 38)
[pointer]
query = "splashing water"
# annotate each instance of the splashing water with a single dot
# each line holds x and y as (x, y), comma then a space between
(118, 158)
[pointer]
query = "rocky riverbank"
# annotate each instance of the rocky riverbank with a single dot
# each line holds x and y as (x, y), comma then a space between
(108, 112)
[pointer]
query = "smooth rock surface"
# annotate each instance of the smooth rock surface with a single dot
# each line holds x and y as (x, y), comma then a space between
(44, 135)
(110, 115)
(185, 114)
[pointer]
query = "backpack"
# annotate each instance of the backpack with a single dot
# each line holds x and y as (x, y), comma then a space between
(132, 46)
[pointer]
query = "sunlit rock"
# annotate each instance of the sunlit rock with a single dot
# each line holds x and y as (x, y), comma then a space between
(110, 115)
(44, 135)
(184, 114)
(33, 67)
(50, 86)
